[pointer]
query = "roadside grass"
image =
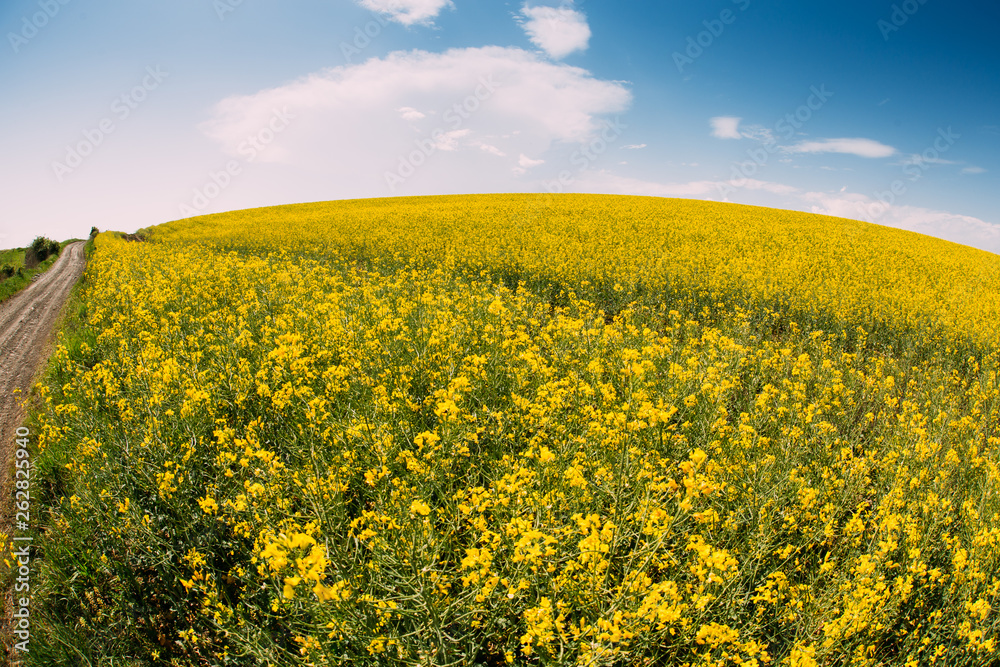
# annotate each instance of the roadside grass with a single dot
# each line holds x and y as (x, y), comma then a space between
(14, 257)
(22, 276)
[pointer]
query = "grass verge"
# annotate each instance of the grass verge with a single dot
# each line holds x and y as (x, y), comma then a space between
(23, 277)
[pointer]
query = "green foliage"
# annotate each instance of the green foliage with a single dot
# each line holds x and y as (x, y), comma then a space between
(41, 249)
(24, 272)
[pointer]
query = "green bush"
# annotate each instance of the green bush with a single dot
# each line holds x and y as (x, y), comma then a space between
(41, 249)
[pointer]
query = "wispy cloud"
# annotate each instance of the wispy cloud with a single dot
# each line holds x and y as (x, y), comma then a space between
(407, 12)
(868, 148)
(633, 147)
(918, 160)
(490, 148)
(973, 170)
(608, 183)
(758, 133)
(962, 229)
(409, 113)
(524, 164)
(726, 127)
(559, 31)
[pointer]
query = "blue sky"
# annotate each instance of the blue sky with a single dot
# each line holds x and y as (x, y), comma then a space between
(124, 114)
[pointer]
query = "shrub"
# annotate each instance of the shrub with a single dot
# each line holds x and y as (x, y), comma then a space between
(40, 249)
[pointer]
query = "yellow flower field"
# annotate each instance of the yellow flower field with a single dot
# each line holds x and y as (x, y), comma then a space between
(850, 269)
(521, 429)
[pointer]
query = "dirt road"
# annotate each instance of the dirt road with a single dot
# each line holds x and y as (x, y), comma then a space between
(26, 323)
(27, 320)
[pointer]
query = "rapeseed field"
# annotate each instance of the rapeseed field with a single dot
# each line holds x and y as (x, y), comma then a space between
(525, 430)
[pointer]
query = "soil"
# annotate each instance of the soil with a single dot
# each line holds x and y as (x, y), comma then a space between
(27, 321)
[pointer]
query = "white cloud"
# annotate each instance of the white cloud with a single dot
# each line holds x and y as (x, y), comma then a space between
(482, 109)
(491, 149)
(407, 12)
(726, 127)
(919, 160)
(633, 147)
(557, 31)
(860, 147)
(524, 164)
(409, 113)
(448, 141)
(973, 170)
